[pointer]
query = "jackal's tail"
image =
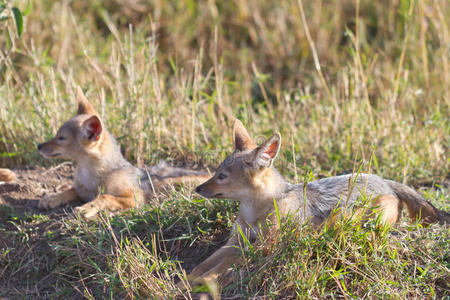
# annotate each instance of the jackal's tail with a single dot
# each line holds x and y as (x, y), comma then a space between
(7, 175)
(168, 174)
(417, 206)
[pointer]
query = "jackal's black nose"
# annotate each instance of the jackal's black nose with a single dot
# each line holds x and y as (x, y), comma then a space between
(40, 146)
(197, 189)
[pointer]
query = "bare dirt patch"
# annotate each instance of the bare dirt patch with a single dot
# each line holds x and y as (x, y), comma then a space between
(26, 254)
(32, 184)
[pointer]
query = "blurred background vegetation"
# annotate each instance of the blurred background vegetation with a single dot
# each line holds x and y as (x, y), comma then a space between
(341, 80)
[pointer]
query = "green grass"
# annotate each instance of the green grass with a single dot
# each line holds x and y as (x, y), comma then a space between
(170, 85)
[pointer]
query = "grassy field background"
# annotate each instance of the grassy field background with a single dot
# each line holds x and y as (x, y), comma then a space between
(346, 83)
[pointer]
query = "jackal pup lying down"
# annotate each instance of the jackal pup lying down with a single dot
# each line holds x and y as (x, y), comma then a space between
(103, 177)
(248, 176)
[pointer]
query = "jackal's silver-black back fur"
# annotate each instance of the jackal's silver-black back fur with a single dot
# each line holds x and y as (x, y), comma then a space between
(324, 195)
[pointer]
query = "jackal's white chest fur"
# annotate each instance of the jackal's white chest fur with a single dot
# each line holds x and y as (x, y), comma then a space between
(86, 183)
(248, 212)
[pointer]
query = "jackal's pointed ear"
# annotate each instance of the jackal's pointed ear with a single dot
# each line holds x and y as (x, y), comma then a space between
(241, 138)
(264, 155)
(84, 107)
(92, 129)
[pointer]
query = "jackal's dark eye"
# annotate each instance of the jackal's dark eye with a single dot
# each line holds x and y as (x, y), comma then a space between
(222, 176)
(61, 138)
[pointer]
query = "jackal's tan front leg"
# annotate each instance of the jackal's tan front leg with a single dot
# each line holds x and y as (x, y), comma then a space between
(106, 202)
(58, 199)
(221, 260)
(218, 263)
(121, 192)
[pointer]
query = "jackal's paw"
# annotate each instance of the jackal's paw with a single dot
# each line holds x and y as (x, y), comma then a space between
(190, 282)
(210, 281)
(49, 202)
(88, 211)
(183, 285)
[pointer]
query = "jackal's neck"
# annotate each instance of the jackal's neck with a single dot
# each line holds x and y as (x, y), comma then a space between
(267, 187)
(104, 157)
(270, 185)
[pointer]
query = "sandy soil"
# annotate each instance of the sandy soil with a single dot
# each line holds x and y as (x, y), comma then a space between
(33, 183)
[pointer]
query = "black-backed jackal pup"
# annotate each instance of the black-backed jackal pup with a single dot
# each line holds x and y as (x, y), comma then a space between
(248, 176)
(103, 178)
